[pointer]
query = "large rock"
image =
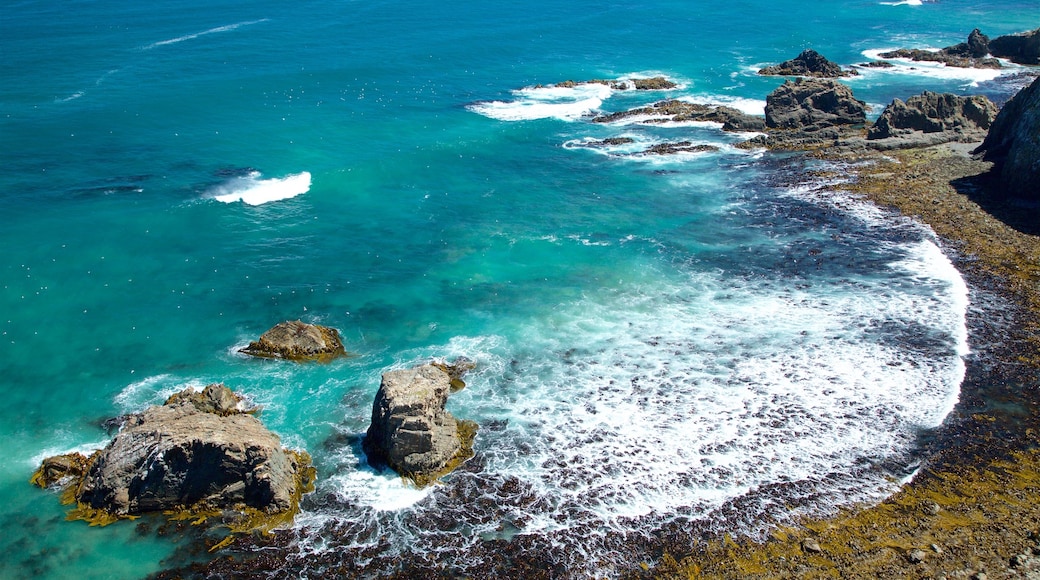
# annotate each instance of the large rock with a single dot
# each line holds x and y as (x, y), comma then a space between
(808, 64)
(197, 452)
(299, 341)
(676, 111)
(1023, 48)
(932, 118)
(810, 104)
(1013, 143)
(411, 432)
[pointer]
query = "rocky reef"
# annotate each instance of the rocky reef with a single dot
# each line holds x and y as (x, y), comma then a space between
(640, 84)
(198, 452)
(676, 111)
(411, 431)
(932, 118)
(978, 51)
(808, 64)
(1013, 144)
(298, 341)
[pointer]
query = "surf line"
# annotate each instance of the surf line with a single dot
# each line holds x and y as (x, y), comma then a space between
(227, 28)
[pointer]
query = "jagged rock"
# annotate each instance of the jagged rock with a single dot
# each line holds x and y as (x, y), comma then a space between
(808, 104)
(299, 341)
(1023, 48)
(933, 118)
(679, 147)
(808, 64)
(59, 469)
(458, 368)
(677, 111)
(970, 54)
(1013, 143)
(653, 84)
(180, 457)
(411, 432)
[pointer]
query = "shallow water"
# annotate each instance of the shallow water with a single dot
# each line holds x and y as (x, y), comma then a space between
(657, 337)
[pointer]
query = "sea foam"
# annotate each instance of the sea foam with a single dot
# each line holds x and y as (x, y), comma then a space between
(253, 190)
(935, 70)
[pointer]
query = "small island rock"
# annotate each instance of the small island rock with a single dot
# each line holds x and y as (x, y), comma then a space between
(1013, 144)
(808, 104)
(807, 64)
(178, 456)
(296, 340)
(411, 431)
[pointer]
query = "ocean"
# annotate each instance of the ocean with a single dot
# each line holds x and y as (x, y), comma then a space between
(695, 341)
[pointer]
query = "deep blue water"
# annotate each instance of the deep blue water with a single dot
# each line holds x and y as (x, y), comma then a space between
(655, 336)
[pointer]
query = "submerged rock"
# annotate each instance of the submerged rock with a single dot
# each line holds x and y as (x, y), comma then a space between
(933, 118)
(298, 341)
(411, 431)
(195, 453)
(1013, 143)
(808, 64)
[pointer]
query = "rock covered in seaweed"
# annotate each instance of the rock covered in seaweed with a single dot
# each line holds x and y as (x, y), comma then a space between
(411, 431)
(933, 118)
(195, 453)
(296, 340)
(1013, 143)
(808, 64)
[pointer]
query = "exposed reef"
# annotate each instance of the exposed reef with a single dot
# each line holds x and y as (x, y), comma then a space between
(979, 51)
(808, 64)
(298, 341)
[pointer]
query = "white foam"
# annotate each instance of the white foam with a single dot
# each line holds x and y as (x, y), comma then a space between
(564, 103)
(744, 105)
(226, 28)
(903, 3)
(936, 70)
(153, 390)
(253, 190)
(84, 449)
(381, 492)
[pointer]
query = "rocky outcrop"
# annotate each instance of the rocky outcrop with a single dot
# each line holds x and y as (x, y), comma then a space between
(933, 118)
(808, 64)
(1013, 144)
(298, 341)
(411, 431)
(676, 111)
(197, 452)
(1021, 48)
(813, 104)
(640, 84)
(969, 54)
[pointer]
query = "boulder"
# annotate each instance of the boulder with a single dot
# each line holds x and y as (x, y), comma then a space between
(808, 64)
(411, 431)
(812, 104)
(1013, 144)
(178, 456)
(298, 341)
(1023, 48)
(932, 118)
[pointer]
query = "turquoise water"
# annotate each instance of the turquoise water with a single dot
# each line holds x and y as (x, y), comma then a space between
(656, 337)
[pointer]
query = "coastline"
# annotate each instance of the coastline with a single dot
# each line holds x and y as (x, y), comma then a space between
(973, 510)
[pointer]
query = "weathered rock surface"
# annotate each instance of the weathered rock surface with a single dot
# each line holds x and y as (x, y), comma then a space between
(411, 431)
(808, 64)
(677, 111)
(933, 118)
(299, 341)
(1013, 143)
(1023, 48)
(196, 452)
(811, 104)
(969, 54)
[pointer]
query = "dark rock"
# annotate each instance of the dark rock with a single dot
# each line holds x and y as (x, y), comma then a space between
(977, 46)
(1023, 48)
(653, 84)
(411, 432)
(59, 469)
(180, 457)
(608, 142)
(876, 64)
(808, 104)
(678, 147)
(682, 111)
(1013, 144)
(299, 341)
(808, 64)
(933, 118)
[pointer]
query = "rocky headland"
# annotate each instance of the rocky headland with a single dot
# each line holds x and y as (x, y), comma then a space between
(199, 453)
(978, 51)
(411, 431)
(298, 341)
